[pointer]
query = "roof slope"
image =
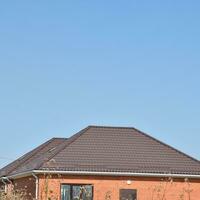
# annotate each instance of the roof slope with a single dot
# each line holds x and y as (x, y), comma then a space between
(109, 149)
(29, 160)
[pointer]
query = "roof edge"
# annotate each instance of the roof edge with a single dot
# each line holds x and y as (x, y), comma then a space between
(167, 145)
(20, 159)
(98, 173)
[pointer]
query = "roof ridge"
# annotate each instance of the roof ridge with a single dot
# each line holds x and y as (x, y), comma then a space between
(107, 126)
(19, 160)
(65, 144)
(167, 145)
(56, 138)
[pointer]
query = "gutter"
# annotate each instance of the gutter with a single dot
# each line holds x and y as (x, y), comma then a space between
(6, 178)
(36, 185)
(159, 175)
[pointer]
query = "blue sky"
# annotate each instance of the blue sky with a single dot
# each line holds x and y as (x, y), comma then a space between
(67, 64)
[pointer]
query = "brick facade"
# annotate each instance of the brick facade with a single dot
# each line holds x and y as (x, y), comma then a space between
(147, 188)
(26, 185)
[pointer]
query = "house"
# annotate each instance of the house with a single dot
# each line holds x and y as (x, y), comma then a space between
(104, 163)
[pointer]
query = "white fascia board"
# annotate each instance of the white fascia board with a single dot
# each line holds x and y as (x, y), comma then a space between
(159, 175)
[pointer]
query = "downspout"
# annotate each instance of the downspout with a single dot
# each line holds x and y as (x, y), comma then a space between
(4, 184)
(36, 185)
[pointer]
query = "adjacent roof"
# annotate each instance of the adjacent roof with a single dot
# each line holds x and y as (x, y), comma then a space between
(106, 149)
(32, 158)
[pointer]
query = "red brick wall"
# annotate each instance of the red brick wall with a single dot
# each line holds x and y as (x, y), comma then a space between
(27, 185)
(146, 187)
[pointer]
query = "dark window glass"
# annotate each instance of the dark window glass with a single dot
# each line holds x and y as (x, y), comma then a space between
(76, 192)
(128, 194)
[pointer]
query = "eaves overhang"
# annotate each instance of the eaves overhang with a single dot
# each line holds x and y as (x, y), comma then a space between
(96, 173)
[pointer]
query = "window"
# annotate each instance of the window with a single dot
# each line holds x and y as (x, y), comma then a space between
(76, 192)
(128, 194)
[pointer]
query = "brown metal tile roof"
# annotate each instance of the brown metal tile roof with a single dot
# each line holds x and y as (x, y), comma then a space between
(108, 149)
(28, 161)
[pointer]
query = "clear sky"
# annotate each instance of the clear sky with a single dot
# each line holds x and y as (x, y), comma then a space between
(67, 64)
